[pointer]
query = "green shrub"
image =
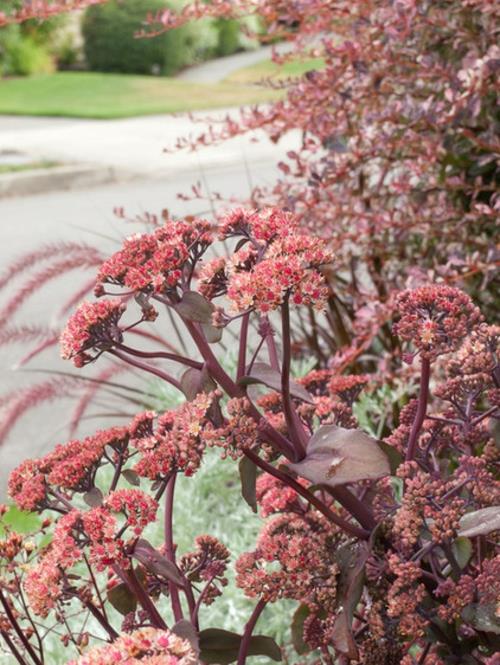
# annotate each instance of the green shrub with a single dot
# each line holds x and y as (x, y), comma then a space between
(228, 36)
(110, 44)
(20, 55)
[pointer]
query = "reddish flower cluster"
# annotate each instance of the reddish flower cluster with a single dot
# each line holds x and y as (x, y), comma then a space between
(177, 443)
(276, 263)
(238, 432)
(294, 558)
(139, 508)
(288, 269)
(347, 387)
(208, 563)
(93, 327)
(154, 262)
(273, 496)
(435, 318)
(71, 466)
(44, 582)
(425, 504)
(405, 595)
(478, 354)
(147, 646)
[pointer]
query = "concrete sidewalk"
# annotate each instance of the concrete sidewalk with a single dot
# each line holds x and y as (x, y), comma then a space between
(136, 146)
(215, 71)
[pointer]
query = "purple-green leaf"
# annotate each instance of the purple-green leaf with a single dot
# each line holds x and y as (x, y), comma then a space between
(480, 522)
(156, 563)
(336, 456)
(93, 497)
(195, 381)
(248, 477)
(122, 599)
(265, 374)
(195, 307)
(221, 647)
(351, 560)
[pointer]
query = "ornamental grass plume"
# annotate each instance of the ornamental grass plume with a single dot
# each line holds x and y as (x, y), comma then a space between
(387, 549)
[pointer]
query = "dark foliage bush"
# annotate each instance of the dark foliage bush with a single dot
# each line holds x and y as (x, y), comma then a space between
(111, 45)
(228, 36)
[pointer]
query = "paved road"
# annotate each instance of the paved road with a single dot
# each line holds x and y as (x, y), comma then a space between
(86, 215)
(217, 70)
(136, 146)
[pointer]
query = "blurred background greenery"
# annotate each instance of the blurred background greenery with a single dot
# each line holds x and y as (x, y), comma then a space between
(103, 39)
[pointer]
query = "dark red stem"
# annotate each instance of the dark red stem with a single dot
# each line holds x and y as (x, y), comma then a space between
(13, 648)
(295, 427)
(146, 368)
(247, 635)
(423, 397)
(161, 354)
(18, 629)
(354, 506)
(242, 353)
(169, 546)
(130, 579)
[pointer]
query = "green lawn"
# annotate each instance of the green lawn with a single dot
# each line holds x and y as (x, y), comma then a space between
(30, 166)
(268, 69)
(106, 96)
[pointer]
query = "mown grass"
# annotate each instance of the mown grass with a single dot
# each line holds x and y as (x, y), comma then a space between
(267, 69)
(29, 166)
(108, 96)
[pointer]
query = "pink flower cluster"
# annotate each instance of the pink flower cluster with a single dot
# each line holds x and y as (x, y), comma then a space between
(435, 318)
(44, 581)
(208, 563)
(177, 443)
(275, 263)
(295, 559)
(154, 262)
(238, 432)
(70, 466)
(426, 504)
(147, 646)
(273, 496)
(93, 327)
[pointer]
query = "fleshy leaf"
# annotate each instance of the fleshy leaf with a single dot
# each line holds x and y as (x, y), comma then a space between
(351, 560)
(93, 497)
(480, 522)
(122, 599)
(187, 631)
(221, 647)
(297, 627)
(155, 562)
(195, 381)
(482, 617)
(248, 477)
(195, 307)
(336, 456)
(265, 374)
(213, 334)
(131, 477)
(462, 550)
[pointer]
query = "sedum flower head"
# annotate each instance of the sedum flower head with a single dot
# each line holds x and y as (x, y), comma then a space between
(147, 646)
(435, 318)
(93, 327)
